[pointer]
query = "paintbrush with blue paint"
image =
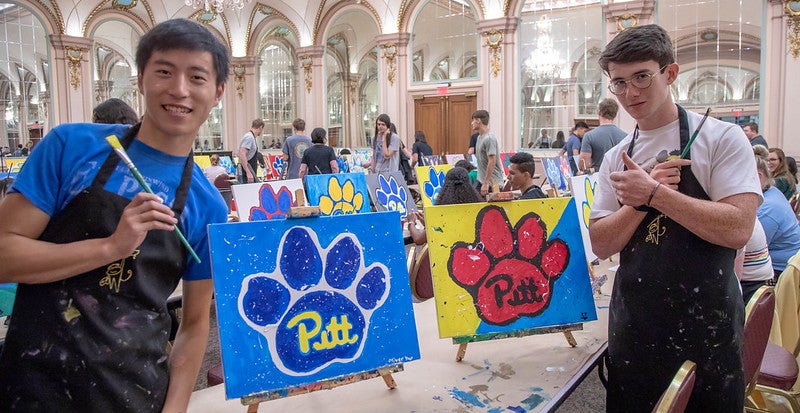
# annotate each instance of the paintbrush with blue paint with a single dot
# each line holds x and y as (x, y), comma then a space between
(112, 139)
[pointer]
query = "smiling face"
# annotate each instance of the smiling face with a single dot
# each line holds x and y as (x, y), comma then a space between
(179, 89)
(652, 107)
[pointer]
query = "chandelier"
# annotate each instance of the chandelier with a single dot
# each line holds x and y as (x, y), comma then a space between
(544, 61)
(217, 6)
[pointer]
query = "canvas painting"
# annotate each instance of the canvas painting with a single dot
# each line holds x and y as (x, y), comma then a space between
(226, 162)
(338, 194)
(430, 180)
(265, 200)
(431, 160)
(583, 187)
(505, 160)
(356, 161)
(275, 164)
(390, 193)
(504, 267)
(202, 161)
(452, 158)
(558, 172)
(302, 301)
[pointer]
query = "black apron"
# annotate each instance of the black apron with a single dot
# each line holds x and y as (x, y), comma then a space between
(675, 298)
(96, 342)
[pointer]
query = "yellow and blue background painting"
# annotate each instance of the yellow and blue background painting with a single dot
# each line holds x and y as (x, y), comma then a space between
(338, 194)
(583, 187)
(302, 301)
(430, 180)
(508, 266)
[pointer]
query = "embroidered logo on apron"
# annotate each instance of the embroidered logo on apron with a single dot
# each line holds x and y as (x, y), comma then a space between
(116, 274)
(655, 230)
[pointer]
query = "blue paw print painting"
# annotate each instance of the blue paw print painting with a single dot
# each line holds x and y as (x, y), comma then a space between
(430, 180)
(324, 324)
(300, 301)
(390, 193)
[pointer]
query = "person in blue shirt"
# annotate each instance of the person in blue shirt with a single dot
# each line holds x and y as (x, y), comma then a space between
(96, 257)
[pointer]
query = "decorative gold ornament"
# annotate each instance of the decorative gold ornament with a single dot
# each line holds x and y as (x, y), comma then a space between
(74, 56)
(493, 39)
(626, 21)
(305, 63)
(238, 73)
(390, 53)
(123, 4)
(793, 12)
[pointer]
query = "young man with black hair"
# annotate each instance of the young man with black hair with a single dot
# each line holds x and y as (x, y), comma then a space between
(676, 224)
(520, 173)
(487, 153)
(96, 257)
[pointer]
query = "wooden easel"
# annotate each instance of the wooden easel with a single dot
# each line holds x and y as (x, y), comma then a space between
(254, 400)
(301, 210)
(566, 329)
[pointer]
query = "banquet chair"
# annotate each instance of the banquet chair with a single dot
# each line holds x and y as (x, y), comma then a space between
(757, 324)
(223, 184)
(676, 396)
(419, 273)
(779, 370)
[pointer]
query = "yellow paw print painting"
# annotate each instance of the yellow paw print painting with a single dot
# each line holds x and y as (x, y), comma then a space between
(338, 194)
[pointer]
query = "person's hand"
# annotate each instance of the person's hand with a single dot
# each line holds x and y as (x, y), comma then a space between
(485, 188)
(633, 186)
(669, 172)
(145, 212)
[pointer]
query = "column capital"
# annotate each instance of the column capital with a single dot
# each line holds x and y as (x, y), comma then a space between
(620, 16)
(397, 39)
(503, 24)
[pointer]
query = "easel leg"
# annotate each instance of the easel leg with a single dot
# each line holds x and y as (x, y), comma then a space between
(252, 408)
(462, 350)
(570, 338)
(389, 380)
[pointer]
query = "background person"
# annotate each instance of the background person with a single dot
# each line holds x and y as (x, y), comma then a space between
(248, 161)
(420, 149)
(385, 147)
(293, 149)
(92, 336)
(214, 170)
(319, 158)
(115, 110)
(751, 131)
(598, 141)
(782, 179)
(487, 153)
(520, 173)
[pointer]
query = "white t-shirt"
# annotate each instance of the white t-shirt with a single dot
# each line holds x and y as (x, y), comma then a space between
(757, 263)
(722, 160)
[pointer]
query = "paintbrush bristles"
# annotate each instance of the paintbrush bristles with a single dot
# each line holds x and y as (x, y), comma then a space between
(112, 139)
(114, 142)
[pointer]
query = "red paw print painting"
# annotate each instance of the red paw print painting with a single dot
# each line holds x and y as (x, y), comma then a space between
(508, 266)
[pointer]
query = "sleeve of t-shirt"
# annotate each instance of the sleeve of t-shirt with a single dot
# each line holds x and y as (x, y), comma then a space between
(490, 146)
(605, 201)
(214, 212)
(770, 226)
(305, 157)
(286, 147)
(394, 143)
(733, 167)
(586, 145)
(331, 155)
(40, 179)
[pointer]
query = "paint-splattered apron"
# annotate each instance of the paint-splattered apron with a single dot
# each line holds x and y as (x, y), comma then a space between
(96, 341)
(675, 298)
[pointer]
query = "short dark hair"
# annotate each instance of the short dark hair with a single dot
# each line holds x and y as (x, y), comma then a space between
(752, 125)
(639, 44)
(183, 34)
(257, 124)
(581, 124)
(481, 115)
(463, 163)
(299, 125)
(608, 108)
(114, 110)
(524, 162)
(318, 135)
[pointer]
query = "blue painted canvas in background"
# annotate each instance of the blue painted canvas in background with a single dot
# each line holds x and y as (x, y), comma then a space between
(301, 301)
(390, 193)
(338, 194)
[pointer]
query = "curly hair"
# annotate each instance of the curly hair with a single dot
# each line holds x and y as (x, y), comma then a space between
(457, 190)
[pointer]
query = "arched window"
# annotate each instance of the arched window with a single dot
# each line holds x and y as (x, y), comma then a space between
(444, 28)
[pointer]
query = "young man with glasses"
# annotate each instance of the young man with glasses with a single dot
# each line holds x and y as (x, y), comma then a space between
(676, 224)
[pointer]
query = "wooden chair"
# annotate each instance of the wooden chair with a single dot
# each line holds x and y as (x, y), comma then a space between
(676, 397)
(758, 322)
(419, 273)
(779, 369)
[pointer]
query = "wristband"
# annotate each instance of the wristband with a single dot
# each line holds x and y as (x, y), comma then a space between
(650, 199)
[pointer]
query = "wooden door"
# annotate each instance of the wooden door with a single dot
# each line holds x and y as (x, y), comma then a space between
(445, 121)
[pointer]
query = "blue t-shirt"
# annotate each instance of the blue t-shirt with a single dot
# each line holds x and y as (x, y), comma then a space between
(780, 227)
(66, 161)
(573, 143)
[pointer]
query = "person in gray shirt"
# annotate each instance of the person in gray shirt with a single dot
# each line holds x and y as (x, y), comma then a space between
(293, 149)
(488, 154)
(599, 140)
(385, 147)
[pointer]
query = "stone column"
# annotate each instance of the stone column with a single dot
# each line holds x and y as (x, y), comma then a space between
(240, 101)
(72, 93)
(393, 80)
(499, 65)
(311, 86)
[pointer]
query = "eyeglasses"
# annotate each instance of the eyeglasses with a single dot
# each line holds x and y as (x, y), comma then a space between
(639, 81)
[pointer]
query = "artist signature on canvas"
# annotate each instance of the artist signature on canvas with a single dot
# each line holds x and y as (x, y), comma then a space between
(315, 308)
(509, 271)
